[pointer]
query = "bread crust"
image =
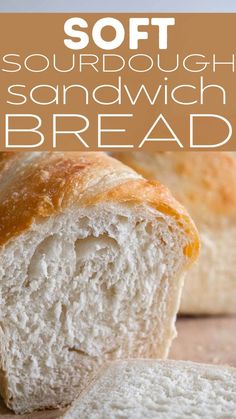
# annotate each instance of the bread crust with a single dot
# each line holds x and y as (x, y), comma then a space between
(208, 179)
(52, 181)
(45, 185)
(155, 195)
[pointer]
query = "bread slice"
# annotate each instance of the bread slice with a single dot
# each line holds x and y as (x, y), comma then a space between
(152, 389)
(92, 258)
(205, 183)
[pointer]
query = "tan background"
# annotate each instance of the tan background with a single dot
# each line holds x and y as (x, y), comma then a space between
(26, 34)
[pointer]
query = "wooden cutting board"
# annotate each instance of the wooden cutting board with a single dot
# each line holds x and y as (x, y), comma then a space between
(210, 340)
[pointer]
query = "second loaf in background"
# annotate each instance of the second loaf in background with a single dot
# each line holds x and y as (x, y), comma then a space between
(205, 182)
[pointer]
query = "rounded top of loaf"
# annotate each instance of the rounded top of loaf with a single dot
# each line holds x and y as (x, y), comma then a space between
(34, 186)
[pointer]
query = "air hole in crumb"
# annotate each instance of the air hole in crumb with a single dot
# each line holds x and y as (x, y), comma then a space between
(19, 388)
(110, 292)
(149, 228)
(78, 351)
(38, 267)
(63, 313)
(122, 218)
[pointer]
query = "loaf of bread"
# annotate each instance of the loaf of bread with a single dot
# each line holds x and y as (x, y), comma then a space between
(205, 183)
(92, 258)
(152, 389)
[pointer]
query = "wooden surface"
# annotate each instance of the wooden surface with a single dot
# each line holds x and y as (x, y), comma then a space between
(210, 340)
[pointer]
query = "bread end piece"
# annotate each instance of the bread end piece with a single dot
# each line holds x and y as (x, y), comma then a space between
(138, 389)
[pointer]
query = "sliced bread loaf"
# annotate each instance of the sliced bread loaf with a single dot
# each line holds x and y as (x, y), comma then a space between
(92, 258)
(152, 389)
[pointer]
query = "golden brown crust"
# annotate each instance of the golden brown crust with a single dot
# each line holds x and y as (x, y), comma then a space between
(44, 187)
(51, 182)
(7, 160)
(155, 195)
(206, 179)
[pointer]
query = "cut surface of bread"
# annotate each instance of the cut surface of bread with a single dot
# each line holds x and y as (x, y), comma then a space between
(205, 183)
(92, 259)
(152, 389)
